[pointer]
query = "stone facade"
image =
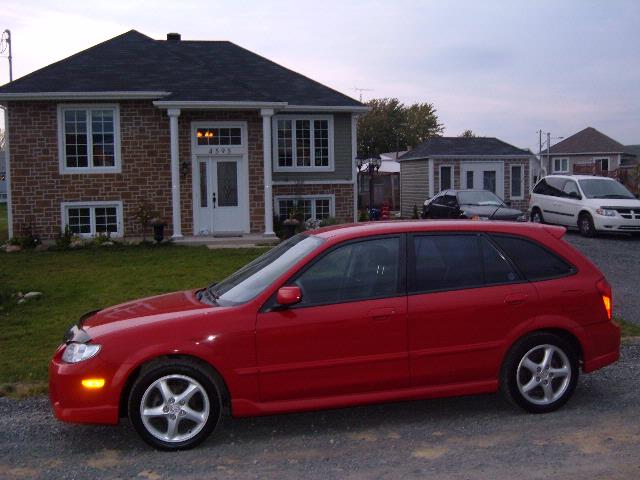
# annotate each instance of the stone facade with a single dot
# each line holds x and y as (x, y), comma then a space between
(38, 188)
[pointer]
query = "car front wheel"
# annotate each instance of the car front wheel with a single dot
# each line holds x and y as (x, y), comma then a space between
(536, 216)
(540, 373)
(586, 226)
(175, 405)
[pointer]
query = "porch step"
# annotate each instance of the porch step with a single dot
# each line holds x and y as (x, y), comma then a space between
(244, 241)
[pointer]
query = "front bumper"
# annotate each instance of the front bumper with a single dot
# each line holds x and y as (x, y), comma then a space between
(71, 402)
(616, 224)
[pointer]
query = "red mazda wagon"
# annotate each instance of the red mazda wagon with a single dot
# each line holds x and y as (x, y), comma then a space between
(345, 316)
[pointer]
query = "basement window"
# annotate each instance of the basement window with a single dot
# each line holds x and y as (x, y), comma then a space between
(89, 219)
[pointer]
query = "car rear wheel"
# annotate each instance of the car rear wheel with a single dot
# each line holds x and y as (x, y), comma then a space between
(175, 405)
(536, 216)
(540, 373)
(586, 226)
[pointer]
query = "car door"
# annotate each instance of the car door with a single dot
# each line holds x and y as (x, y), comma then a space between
(554, 210)
(436, 207)
(464, 298)
(569, 203)
(348, 334)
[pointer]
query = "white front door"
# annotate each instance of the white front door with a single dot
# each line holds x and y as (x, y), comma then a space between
(483, 176)
(219, 199)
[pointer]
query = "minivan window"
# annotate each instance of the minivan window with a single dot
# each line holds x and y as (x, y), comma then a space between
(534, 261)
(355, 271)
(601, 188)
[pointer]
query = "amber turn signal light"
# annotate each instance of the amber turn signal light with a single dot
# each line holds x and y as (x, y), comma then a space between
(93, 383)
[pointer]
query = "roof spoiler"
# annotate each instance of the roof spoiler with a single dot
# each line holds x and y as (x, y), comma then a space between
(555, 231)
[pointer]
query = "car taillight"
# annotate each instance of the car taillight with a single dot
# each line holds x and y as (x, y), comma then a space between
(605, 292)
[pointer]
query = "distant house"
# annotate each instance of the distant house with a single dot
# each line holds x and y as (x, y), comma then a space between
(386, 183)
(441, 163)
(3, 178)
(211, 137)
(590, 152)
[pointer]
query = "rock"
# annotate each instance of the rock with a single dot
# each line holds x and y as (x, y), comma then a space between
(30, 295)
(76, 244)
(107, 244)
(12, 248)
(22, 300)
(41, 248)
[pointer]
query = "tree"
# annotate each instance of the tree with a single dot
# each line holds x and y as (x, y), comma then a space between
(392, 126)
(468, 134)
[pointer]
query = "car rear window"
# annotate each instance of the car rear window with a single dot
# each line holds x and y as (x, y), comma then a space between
(534, 261)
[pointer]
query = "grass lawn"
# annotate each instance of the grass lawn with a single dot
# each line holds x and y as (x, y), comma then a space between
(4, 223)
(76, 281)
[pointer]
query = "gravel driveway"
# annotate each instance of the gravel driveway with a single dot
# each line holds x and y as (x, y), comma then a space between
(597, 435)
(618, 257)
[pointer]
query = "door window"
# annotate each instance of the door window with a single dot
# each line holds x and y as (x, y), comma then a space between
(570, 187)
(470, 179)
(445, 178)
(227, 184)
(355, 271)
(489, 180)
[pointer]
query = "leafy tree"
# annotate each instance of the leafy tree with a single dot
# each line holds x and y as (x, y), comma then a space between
(468, 134)
(392, 126)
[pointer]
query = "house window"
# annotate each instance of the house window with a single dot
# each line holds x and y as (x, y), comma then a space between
(93, 218)
(89, 138)
(602, 164)
(446, 177)
(560, 165)
(219, 136)
(517, 180)
(318, 208)
(303, 143)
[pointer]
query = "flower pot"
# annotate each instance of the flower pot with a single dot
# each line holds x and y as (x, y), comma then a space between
(290, 229)
(158, 232)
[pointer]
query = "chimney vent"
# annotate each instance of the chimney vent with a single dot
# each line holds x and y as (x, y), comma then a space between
(175, 37)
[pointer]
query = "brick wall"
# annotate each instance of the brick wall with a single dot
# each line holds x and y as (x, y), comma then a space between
(519, 204)
(343, 196)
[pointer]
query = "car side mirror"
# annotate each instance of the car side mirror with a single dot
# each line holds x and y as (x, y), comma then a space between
(289, 295)
(508, 203)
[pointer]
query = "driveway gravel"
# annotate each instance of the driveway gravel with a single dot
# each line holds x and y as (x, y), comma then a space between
(596, 435)
(618, 257)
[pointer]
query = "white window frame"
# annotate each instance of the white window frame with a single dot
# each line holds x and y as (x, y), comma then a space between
(64, 215)
(561, 160)
(88, 107)
(453, 172)
(330, 197)
(596, 159)
(521, 196)
(294, 153)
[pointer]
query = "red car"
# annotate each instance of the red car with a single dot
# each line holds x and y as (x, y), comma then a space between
(345, 316)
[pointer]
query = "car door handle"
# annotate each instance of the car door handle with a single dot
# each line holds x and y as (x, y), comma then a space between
(381, 313)
(515, 298)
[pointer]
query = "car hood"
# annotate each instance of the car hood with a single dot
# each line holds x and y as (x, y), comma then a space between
(145, 307)
(488, 210)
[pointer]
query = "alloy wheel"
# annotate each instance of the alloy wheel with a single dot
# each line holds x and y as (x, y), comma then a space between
(543, 374)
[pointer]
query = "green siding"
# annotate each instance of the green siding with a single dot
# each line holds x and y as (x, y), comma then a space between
(343, 157)
(414, 185)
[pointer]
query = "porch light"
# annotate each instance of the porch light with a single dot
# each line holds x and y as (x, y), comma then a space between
(199, 134)
(184, 168)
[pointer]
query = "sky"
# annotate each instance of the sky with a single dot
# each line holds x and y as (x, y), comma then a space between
(503, 69)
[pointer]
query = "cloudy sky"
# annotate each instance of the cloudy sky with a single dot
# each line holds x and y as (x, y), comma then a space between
(503, 69)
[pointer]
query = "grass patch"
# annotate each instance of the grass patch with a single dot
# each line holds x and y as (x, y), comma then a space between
(76, 281)
(4, 223)
(628, 329)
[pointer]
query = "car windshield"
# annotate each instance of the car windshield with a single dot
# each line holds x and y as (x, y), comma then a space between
(603, 188)
(476, 197)
(253, 278)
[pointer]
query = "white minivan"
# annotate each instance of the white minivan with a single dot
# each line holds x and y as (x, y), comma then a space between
(591, 204)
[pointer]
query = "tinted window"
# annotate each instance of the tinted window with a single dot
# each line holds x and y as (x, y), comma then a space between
(549, 186)
(448, 262)
(445, 178)
(570, 187)
(534, 261)
(355, 271)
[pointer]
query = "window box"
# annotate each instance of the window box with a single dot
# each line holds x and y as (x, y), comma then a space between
(89, 219)
(89, 138)
(303, 143)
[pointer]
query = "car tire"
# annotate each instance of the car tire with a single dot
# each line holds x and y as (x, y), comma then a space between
(540, 373)
(536, 216)
(183, 404)
(586, 226)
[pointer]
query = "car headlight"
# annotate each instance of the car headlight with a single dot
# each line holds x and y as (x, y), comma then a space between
(78, 352)
(606, 212)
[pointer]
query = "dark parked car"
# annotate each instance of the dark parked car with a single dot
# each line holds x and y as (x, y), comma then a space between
(470, 204)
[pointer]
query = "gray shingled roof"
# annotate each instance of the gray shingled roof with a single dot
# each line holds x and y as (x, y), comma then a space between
(588, 140)
(189, 70)
(462, 146)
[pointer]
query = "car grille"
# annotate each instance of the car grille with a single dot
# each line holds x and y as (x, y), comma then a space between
(629, 213)
(629, 228)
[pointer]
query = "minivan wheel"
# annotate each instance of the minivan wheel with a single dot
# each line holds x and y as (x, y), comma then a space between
(540, 373)
(536, 216)
(175, 405)
(585, 225)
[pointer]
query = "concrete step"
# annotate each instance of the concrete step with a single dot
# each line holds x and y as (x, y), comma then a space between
(244, 241)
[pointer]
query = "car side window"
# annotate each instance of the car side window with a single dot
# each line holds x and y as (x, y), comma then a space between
(541, 187)
(450, 200)
(355, 271)
(497, 269)
(533, 260)
(554, 186)
(571, 187)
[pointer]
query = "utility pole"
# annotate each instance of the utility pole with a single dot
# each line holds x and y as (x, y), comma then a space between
(5, 44)
(548, 152)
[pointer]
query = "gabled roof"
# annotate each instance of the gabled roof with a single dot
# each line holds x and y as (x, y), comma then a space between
(211, 71)
(463, 146)
(588, 140)
(632, 150)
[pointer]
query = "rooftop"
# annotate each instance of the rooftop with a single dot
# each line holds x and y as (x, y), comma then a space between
(463, 146)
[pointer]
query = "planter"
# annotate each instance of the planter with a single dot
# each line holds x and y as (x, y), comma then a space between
(158, 232)
(290, 229)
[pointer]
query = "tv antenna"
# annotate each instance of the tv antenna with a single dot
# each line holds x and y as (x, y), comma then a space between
(360, 90)
(5, 45)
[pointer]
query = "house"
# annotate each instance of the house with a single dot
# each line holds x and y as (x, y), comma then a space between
(213, 138)
(386, 183)
(589, 152)
(3, 178)
(441, 163)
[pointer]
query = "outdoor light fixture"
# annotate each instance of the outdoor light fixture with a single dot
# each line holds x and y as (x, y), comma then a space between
(184, 168)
